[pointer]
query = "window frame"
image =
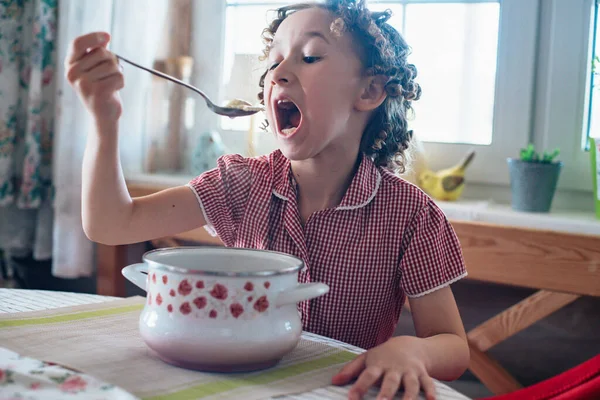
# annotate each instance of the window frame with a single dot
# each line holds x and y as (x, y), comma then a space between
(560, 114)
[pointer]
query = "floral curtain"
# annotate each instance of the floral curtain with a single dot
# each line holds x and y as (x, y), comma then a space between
(40, 171)
(28, 31)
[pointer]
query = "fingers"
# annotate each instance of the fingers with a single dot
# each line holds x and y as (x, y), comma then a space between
(368, 378)
(92, 60)
(95, 73)
(350, 371)
(103, 70)
(95, 80)
(390, 385)
(428, 387)
(85, 43)
(411, 386)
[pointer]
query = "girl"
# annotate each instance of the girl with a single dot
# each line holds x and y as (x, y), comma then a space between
(337, 91)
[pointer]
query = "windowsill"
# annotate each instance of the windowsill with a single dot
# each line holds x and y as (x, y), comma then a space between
(488, 204)
(566, 221)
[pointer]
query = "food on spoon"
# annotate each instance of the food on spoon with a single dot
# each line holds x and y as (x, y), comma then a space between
(237, 103)
(243, 105)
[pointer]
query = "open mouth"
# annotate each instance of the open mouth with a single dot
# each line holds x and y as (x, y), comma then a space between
(288, 116)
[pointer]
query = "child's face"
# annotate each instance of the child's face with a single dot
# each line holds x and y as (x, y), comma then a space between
(314, 81)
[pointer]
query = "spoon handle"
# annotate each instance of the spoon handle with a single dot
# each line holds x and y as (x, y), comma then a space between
(165, 76)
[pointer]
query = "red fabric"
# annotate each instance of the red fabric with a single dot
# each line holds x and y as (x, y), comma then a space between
(588, 390)
(385, 240)
(579, 383)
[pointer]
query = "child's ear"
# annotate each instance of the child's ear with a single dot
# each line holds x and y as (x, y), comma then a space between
(373, 93)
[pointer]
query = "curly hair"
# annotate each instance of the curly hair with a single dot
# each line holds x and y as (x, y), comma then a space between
(383, 52)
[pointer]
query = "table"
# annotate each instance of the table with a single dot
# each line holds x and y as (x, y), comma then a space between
(21, 300)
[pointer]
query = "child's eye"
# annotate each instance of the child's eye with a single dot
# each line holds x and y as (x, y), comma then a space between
(310, 60)
(273, 66)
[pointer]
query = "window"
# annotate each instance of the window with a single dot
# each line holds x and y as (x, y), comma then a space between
(454, 47)
(496, 75)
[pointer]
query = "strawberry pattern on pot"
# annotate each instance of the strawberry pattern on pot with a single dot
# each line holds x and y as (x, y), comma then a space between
(208, 298)
(184, 288)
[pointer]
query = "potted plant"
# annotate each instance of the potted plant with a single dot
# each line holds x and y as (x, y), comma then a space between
(533, 179)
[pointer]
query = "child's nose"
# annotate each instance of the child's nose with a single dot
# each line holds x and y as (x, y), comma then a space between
(281, 75)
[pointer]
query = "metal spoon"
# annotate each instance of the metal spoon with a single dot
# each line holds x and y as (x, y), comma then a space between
(235, 108)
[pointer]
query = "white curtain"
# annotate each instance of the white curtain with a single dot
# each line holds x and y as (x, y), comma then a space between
(135, 27)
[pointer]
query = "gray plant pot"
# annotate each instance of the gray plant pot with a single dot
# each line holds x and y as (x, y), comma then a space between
(533, 184)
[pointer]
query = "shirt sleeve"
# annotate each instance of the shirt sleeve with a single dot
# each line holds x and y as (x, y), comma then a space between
(432, 257)
(222, 194)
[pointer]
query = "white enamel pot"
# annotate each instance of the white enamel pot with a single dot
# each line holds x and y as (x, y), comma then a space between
(221, 309)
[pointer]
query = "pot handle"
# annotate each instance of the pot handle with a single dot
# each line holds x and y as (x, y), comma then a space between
(305, 291)
(135, 274)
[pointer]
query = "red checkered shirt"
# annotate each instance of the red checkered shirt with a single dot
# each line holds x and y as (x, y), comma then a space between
(386, 240)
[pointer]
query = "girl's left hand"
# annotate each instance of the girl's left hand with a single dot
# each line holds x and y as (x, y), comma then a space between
(394, 365)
